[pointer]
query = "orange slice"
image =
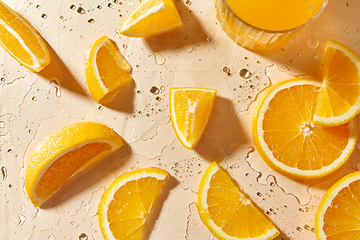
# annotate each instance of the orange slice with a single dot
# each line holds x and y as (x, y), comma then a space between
(190, 112)
(228, 212)
(126, 205)
(339, 97)
(107, 71)
(151, 18)
(338, 215)
(65, 153)
(287, 138)
(22, 41)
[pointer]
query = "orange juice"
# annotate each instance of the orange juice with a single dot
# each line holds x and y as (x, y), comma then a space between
(265, 24)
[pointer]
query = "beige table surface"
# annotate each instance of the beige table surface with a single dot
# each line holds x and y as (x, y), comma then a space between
(34, 105)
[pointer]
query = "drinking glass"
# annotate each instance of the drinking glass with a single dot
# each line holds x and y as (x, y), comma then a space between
(265, 24)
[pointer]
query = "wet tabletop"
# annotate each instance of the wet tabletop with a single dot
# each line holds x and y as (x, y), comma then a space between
(34, 105)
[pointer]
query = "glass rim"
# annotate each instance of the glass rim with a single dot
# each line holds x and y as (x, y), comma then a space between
(274, 31)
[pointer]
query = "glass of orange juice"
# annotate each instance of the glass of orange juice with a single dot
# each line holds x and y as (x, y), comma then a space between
(265, 24)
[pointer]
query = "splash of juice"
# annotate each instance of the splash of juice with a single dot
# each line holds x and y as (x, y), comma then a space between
(277, 15)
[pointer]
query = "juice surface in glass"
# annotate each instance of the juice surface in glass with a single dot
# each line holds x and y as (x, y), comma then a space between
(265, 24)
(276, 15)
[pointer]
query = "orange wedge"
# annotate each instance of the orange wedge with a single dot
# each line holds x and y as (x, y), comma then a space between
(228, 212)
(126, 205)
(107, 71)
(190, 112)
(339, 97)
(65, 153)
(287, 138)
(151, 18)
(338, 214)
(22, 41)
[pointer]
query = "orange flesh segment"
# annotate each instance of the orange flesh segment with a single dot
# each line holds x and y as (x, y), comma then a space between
(65, 166)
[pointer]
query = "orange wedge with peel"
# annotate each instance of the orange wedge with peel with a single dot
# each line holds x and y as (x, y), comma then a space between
(126, 205)
(190, 113)
(21, 40)
(338, 214)
(228, 212)
(65, 153)
(107, 71)
(338, 100)
(151, 18)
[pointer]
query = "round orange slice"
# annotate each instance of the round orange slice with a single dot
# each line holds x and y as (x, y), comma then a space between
(287, 138)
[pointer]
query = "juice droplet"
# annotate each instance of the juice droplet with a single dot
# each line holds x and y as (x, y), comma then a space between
(91, 20)
(244, 73)
(307, 227)
(291, 62)
(315, 57)
(298, 228)
(283, 51)
(38, 6)
(313, 42)
(44, 16)
(154, 90)
(99, 7)
(125, 46)
(188, 2)
(73, 7)
(189, 49)
(159, 59)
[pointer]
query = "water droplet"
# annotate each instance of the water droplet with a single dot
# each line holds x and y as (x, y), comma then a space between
(188, 2)
(229, 74)
(129, 3)
(226, 69)
(298, 228)
(73, 7)
(252, 86)
(100, 107)
(291, 62)
(3, 79)
(259, 194)
(137, 66)
(188, 48)
(154, 90)
(315, 56)
(283, 51)
(91, 20)
(313, 42)
(33, 98)
(138, 91)
(83, 236)
(247, 174)
(158, 98)
(272, 184)
(38, 6)
(44, 16)
(81, 10)
(244, 73)
(159, 59)
(99, 7)
(116, 1)
(125, 46)
(307, 227)
(110, 5)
